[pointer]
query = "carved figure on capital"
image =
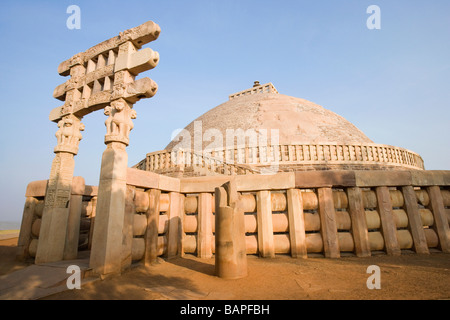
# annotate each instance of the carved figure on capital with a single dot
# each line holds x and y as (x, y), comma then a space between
(68, 135)
(119, 122)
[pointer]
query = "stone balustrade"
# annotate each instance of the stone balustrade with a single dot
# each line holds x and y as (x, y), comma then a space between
(252, 159)
(330, 213)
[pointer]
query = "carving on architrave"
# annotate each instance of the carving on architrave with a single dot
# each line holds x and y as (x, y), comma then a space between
(106, 72)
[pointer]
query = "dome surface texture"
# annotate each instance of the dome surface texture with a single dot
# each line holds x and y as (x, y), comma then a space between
(299, 121)
(258, 128)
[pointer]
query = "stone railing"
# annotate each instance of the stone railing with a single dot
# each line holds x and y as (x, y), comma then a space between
(246, 160)
(325, 213)
(330, 213)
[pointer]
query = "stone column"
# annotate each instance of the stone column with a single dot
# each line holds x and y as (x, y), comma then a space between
(230, 245)
(415, 225)
(266, 246)
(204, 229)
(25, 228)
(151, 234)
(74, 218)
(440, 222)
(53, 231)
(328, 227)
(106, 252)
(296, 218)
(357, 213)
(107, 237)
(388, 226)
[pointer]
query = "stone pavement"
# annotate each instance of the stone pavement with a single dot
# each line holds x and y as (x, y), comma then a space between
(38, 281)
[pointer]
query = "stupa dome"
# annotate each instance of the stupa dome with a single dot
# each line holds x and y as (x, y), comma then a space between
(298, 121)
(259, 128)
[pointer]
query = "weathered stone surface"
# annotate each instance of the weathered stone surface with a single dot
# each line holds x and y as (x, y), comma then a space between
(25, 228)
(230, 240)
(388, 226)
(74, 219)
(78, 186)
(328, 225)
(283, 180)
(281, 112)
(68, 135)
(359, 223)
(297, 234)
(56, 211)
(141, 201)
(315, 179)
(204, 230)
(105, 73)
(376, 178)
(106, 252)
(265, 225)
(441, 225)
(36, 227)
(36, 188)
(153, 221)
(138, 62)
(414, 220)
(137, 249)
(151, 180)
(140, 35)
(128, 228)
(430, 178)
(174, 242)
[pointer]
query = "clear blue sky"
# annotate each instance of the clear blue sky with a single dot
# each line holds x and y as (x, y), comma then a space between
(392, 83)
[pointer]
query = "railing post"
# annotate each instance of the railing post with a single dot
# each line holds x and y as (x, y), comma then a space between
(388, 226)
(328, 227)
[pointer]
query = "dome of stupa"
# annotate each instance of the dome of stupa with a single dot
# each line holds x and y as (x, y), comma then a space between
(259, 128)
(298, 121)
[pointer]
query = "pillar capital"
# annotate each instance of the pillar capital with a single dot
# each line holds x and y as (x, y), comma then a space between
(119, 122)
(69, 134)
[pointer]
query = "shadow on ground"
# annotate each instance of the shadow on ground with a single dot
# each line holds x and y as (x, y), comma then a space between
(409, 276)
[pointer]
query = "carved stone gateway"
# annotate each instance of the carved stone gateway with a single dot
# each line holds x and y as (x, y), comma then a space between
(103, 77)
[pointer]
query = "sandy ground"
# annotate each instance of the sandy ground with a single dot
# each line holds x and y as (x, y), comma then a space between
(8, 262)
(409, 276)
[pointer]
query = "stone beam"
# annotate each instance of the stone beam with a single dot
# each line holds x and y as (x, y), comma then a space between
(107, 72)
(138, 62)
(140, 35)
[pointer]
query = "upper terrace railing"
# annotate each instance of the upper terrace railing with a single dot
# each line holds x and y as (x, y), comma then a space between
(244, 160)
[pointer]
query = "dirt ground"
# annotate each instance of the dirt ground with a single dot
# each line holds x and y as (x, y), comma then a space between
(8, 262)
(409, 276)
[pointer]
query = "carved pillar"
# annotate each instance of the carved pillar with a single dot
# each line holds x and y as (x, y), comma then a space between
(53, 231)
(106, 252)
(230, 245)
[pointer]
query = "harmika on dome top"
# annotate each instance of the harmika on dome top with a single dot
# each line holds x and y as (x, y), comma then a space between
(308, 137)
